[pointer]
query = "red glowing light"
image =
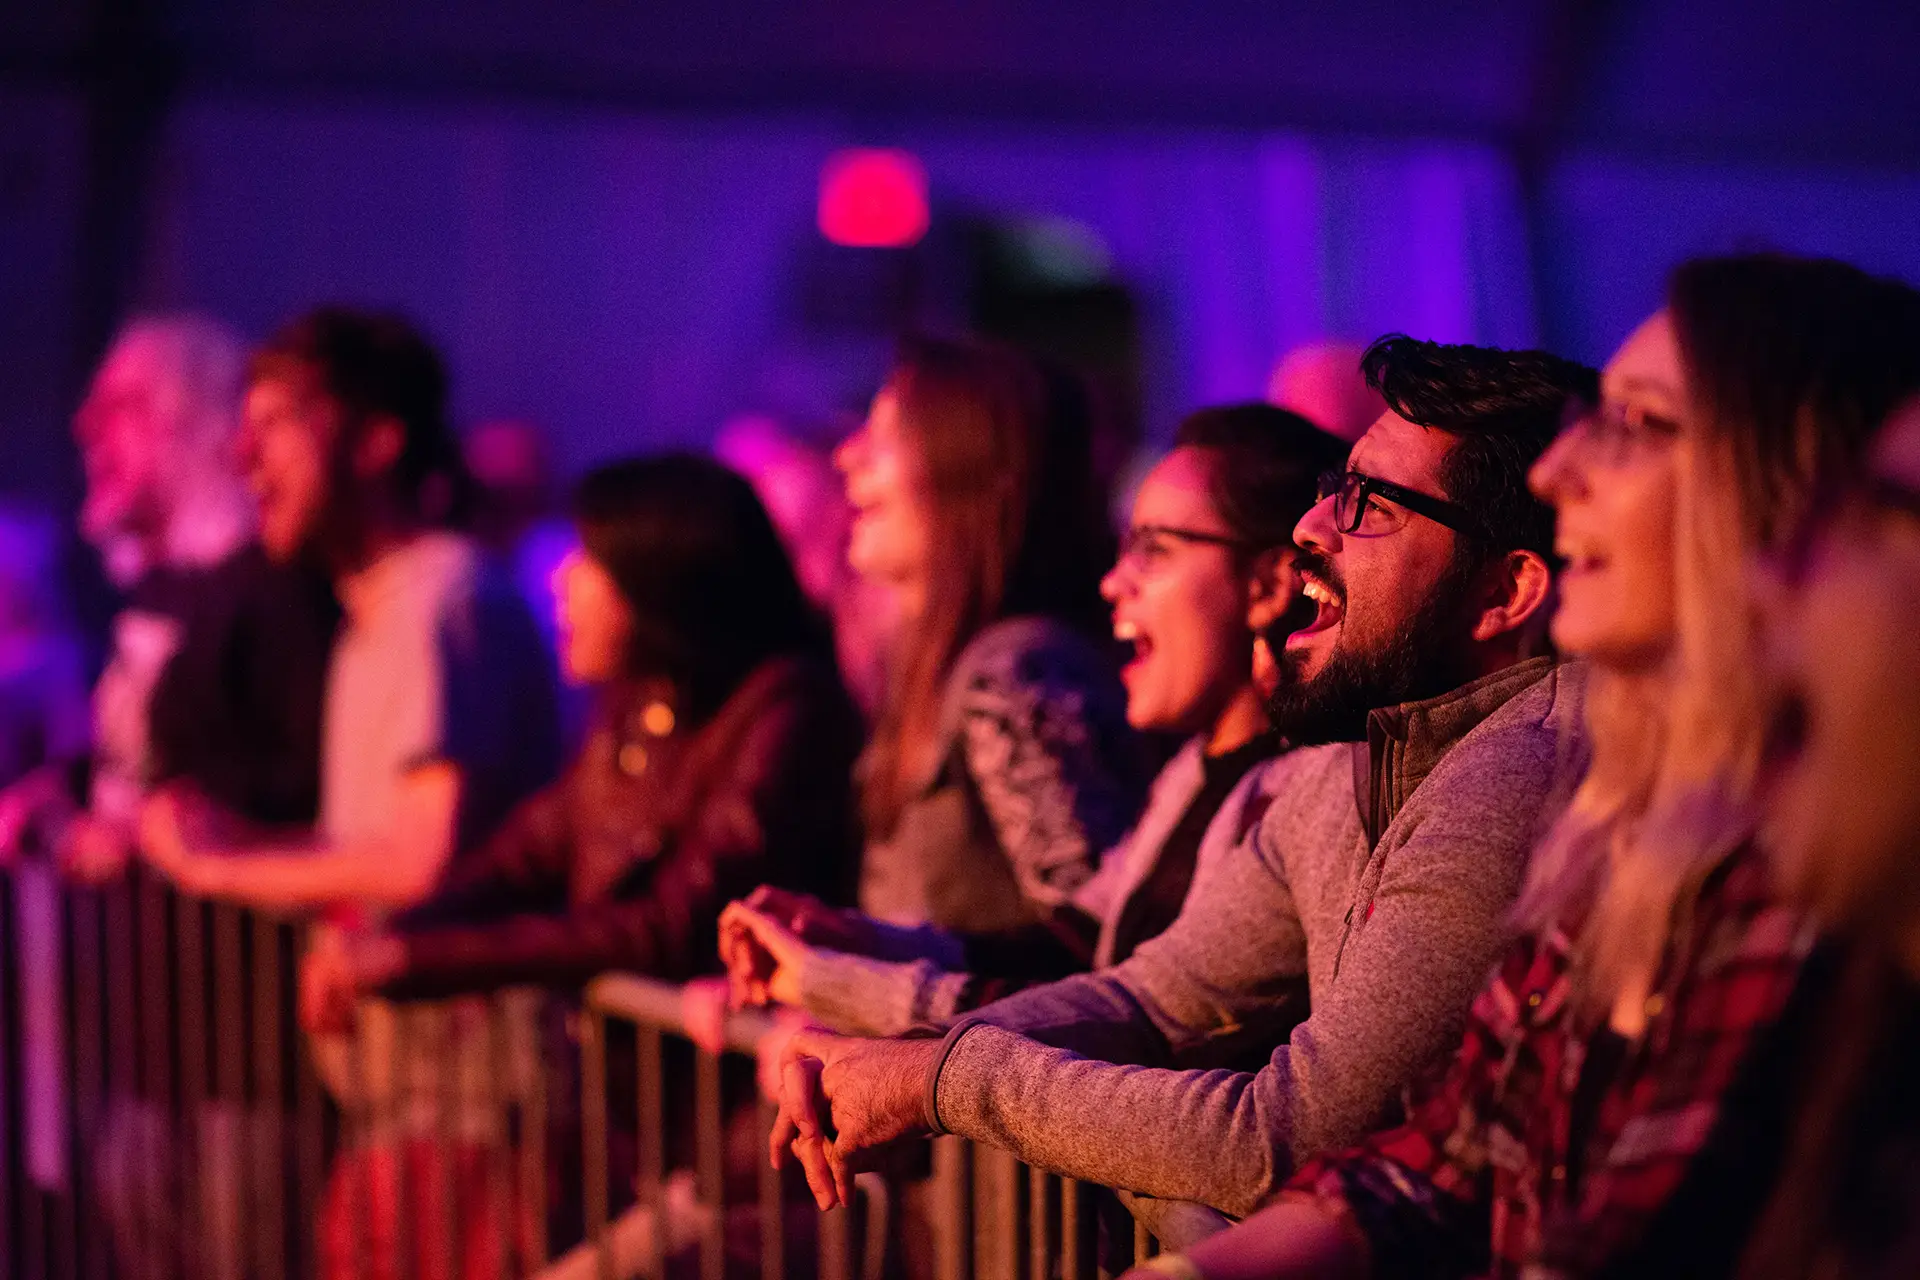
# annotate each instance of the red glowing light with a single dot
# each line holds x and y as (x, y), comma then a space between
(873, 198)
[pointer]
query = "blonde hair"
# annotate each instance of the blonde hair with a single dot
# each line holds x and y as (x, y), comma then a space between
(1789, 367)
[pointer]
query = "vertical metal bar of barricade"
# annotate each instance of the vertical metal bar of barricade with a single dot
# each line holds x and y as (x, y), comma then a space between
(157, 1002)
(408, 1235)
(235, 1212)
(63, 1206)
(358, 1147)
(998, 1206)
(533, 1160)
(189, 965)
(121, 1060)
(498, 1177)
(593, 1134)
(10, 1195)
(449, 1137)
(709, 1161)
(773, 1205)
(1041, 1190)
(836, 1244)
(310, 1190)
(27, 1210)
(953, 1186)
(1079, 1232)
(89, 1071)
(653, 1140)
(267, 1115)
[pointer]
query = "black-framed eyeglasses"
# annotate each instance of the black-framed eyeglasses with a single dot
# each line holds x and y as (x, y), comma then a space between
(1350, 491)
(1144, 544)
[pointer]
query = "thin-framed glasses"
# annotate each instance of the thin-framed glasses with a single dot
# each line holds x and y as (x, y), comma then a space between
(1352, 490)
(1145, 545)
(1617, 429)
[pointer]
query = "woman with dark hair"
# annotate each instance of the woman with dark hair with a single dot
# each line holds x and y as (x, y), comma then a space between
(1653, 953)
(719, 759)
(1206, 564)
(1001, 763)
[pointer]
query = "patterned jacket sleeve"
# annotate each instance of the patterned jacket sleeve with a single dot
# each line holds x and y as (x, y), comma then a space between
(1420, 1194)
(1048, 755)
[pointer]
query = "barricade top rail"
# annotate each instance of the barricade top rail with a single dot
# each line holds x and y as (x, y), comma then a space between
(653, 1003)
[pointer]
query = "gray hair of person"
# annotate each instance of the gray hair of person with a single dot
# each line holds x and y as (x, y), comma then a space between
(204, 363)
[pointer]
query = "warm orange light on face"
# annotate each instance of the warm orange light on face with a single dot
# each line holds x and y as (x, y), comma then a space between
(873, 198)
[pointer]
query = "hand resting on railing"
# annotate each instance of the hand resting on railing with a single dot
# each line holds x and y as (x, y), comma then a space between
(843, 1100)
(769, 940)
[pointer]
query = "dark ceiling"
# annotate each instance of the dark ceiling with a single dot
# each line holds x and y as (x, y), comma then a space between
(1748, 79)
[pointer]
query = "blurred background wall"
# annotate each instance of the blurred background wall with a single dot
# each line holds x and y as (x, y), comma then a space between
(605, 209)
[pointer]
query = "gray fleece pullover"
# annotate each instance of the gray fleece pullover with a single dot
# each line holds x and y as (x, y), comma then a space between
(1352, 928)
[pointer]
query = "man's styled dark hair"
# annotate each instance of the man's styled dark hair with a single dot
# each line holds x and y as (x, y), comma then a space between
(376, 364)
(1266, 470)
(1502, 407)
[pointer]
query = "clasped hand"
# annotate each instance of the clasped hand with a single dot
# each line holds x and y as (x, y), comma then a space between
(843, 1101)
(767, 940)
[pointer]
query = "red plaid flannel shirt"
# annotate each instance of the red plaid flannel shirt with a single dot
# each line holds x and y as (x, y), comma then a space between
(1476, 1181)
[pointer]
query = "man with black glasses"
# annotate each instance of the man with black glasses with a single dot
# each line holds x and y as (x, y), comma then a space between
(1330, 959)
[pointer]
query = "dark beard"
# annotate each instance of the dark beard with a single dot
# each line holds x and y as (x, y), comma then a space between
(1419, 660)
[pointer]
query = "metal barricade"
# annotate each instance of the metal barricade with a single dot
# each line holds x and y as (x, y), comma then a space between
(162, 1118)
(987, 1216)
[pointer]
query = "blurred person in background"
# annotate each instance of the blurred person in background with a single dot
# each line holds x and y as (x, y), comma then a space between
(43, 684)
(1655, 951)
(1328, 960)
(439, 718)
(795, 479)
(1815, 1170)
(439, 712)
(1813, 1167)
(1001, 763)
(1322, 382)
(212, 685)
(214, 675)
(517, 517)
(1206, 563)
(722, 756)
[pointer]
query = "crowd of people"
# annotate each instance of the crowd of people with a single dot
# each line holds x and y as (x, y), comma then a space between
(1527, 886)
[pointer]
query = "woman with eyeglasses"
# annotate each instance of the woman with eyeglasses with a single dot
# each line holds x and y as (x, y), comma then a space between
(1653, 951)
(1206, 563)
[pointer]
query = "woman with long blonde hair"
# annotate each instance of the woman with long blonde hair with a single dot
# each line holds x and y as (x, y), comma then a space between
(1652, 951)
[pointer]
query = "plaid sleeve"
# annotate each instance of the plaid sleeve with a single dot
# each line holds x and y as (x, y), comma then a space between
(1421, 1195)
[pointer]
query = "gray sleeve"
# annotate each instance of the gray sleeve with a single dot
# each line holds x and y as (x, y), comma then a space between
(1227, 974)
(1039, 1073)
(1229, 1139)
(861, 996)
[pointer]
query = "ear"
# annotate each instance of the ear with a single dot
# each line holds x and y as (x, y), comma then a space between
(1518, 588)
(1272, 587)
(378, 449)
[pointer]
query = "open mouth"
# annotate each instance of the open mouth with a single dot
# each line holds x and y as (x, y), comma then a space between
(1577, 559)
(1329, 607)
(1788, 721)
(1128, 632)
